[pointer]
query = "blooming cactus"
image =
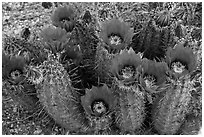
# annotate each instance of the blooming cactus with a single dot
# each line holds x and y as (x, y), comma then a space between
(99, 104)
(170, 109)
(91, 77)
(181, 60)
(130, 108)
(116, 34)
(153, 77)
(124, 67)
(15, 82)
(57, 40)
(13, 68)
(63, 17)
(54, 39)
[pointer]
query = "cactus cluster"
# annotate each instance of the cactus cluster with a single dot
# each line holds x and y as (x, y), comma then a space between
(109, 81)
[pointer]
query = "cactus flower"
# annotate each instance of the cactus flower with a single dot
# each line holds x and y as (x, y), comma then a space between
(181, 60)
(153, 74)
(54, 38)
(116, 34)
(13, 68)
(99, 103)
(64, 17)
(124, 66)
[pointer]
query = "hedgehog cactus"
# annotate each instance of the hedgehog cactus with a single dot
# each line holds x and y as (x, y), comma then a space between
(130, 109)
(171, 108)
(85, 39)
(15, 81)
(95, 77)
(153, 40)
(13, 68)
(130, 112)
(153, 78)
(181, 60)
(99, 104)
(124, 68)
(54, 39)
(58, 97)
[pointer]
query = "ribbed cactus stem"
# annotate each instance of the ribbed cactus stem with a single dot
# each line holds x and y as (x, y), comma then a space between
(58, 97)
(131, 110)
(154, 40)
(171, 109)
(103, 61)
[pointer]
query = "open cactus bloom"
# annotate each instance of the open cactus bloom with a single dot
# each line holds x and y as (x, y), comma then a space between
(13, 68)
(98, 101)
(116, 34)
(181, 60)
(64, 17)
(124, 66)
(153, 74)
(54, 38)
